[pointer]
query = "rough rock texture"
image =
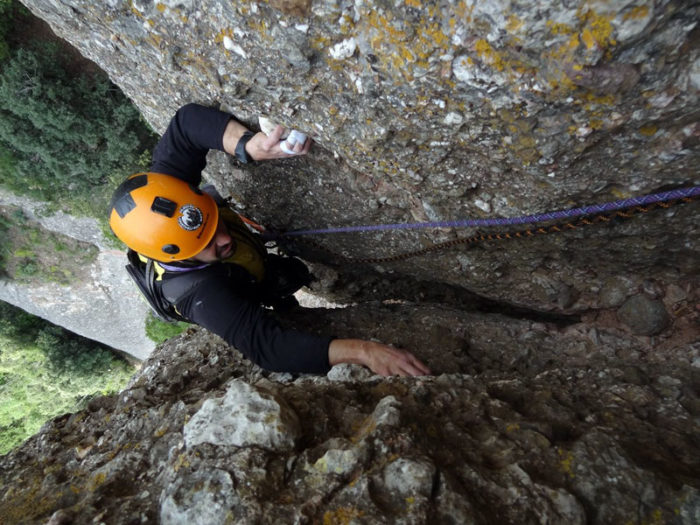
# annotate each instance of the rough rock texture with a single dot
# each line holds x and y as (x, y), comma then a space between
(438, 110)
(105, 307)
(568, 386)
(531, 424)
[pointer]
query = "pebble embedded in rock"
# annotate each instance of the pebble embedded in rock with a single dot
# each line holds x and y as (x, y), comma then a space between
(644, 316)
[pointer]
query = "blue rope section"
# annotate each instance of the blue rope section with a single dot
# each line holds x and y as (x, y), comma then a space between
(507, 221)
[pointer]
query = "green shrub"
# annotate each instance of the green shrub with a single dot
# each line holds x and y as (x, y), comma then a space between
(6, 16)
(8, 163)
(159, 331)
(46, 371)
(67, 135)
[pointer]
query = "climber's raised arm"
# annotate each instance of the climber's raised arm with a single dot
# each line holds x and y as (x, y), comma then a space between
(196, 129)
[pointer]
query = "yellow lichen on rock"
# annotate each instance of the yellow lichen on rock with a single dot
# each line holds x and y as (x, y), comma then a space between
(488, 55)
(648, 130)
(636, 13)
(226, 32)
(597, 31)
(566, 462)
(341, 516)
(514, 24)
(96, 480)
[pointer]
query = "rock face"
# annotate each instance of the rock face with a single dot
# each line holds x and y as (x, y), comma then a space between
(529, 425)
(437, 111)
(567, 386)
(105, 307)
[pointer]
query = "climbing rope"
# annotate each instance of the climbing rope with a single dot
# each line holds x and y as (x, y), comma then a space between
(508, 221)
(593, 214)
(501, 236)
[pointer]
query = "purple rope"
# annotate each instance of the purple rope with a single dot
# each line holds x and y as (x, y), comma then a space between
(171, 268)
(507, 221)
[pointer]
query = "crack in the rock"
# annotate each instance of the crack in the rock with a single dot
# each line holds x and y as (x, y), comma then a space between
(369, 288)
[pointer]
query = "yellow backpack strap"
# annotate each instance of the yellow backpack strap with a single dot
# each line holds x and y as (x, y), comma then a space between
(156, 267)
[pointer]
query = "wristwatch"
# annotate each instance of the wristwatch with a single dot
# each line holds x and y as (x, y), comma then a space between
(241, 153)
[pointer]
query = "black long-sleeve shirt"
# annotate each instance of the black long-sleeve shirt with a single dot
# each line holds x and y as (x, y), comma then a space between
(223, 301)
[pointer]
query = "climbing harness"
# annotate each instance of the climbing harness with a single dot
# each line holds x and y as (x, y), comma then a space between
(593, 214)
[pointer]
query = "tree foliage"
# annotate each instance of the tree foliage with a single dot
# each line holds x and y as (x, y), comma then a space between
(64, 136)
(6, 12)
(67, 136)
(46, 371)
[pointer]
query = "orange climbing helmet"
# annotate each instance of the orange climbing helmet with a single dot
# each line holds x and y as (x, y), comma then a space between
(163, 217)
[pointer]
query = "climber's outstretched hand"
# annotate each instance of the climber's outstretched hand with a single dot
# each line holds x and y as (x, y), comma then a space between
(381, 359)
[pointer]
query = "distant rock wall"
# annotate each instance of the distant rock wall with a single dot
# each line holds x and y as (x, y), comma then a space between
(107, 307)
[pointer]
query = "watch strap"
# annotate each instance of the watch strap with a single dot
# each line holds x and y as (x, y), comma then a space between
(241, 153)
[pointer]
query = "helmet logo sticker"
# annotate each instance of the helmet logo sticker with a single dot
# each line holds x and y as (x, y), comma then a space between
(190, 217)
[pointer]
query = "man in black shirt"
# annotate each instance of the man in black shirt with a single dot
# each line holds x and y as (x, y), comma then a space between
(213, 270)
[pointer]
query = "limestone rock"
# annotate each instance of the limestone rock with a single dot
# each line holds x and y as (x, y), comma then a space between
(205, 498)
(448, 111)
(105, 306)
(245, 416)
(409, 478)
(563, 437)
(347, 372)
(544, 408)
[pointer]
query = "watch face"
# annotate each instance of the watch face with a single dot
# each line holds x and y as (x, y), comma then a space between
(190, 217)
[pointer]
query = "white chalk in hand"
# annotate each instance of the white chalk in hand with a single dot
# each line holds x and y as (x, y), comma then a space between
(293, 138)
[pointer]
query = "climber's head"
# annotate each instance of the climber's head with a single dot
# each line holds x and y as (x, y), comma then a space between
(163, 217)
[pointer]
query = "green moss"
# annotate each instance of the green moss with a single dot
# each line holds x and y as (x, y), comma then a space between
(159, 331)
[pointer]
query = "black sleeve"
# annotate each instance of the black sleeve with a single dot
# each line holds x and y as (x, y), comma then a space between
(192, 132)
(254, 332)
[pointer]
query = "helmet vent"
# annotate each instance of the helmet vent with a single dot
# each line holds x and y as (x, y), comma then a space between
(163, 206)
(170, 249)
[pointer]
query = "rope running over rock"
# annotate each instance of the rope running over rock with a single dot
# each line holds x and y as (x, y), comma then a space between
(606, 207)
(527, 233)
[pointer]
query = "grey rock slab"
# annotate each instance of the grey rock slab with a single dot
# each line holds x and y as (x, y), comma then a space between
(245, 416)
(107, 307)
(202, 498)
(452, 112)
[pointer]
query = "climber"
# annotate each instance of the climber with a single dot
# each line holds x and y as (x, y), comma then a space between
(213, 270)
